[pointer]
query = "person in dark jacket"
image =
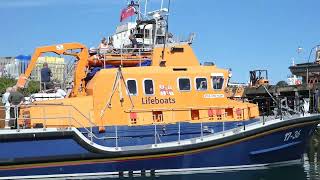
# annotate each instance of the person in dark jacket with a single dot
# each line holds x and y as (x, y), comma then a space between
(15, 99)
(134, 42)
(46, 75)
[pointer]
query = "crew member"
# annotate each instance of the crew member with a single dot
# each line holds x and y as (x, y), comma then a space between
(15, 99)
(110, 46)
(5, 101)
(46, 75)
(134, 42)
(103, 46)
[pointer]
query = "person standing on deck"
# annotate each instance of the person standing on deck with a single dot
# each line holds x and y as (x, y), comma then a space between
(5, 101)
(15, 99)
(110, 46)
(46, 75)
(103, 46)
(134, 43)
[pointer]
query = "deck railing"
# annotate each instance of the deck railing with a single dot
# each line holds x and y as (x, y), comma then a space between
(108, 55)
(88, 127)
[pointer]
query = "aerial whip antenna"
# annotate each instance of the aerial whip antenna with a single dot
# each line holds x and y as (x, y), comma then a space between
(167, 29)
(145, 8)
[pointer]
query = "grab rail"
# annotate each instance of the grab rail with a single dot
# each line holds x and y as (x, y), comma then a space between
(91, 135)
(70, 119)
(123, 54)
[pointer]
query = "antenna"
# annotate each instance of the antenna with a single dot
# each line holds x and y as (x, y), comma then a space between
(167, 29)
(145, 8)
(137, 4)
(293, 64)
(161, 4)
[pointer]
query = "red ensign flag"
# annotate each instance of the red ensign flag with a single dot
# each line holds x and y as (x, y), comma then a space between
(127, 12)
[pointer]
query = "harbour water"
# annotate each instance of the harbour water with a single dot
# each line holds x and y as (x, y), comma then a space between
(308, 169)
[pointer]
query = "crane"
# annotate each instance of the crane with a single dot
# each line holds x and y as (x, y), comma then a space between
(81, 54)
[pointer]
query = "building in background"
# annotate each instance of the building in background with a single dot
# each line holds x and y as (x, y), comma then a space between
(57, 66)
(9, 67)
(14, 66)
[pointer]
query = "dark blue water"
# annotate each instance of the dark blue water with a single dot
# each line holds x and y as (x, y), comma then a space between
(307, 169)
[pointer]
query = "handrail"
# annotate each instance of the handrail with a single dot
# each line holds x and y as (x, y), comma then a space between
(123, 53)
(157, 136)
(49, 118)
(65, 105)
(19, 118)
(106, 49)
(124, 59)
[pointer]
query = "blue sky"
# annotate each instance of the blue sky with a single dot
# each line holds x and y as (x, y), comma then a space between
(237, 34)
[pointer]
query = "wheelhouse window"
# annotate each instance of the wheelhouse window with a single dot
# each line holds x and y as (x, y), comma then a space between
(184, 84)
(132, 87)
(217, 82)
(147, 33)
(148, 87)
(201, 84)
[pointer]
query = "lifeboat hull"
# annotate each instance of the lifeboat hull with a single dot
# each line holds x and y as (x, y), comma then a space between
(35, 153)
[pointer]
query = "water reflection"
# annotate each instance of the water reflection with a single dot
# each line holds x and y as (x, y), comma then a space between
(295, 172)
(311, 160)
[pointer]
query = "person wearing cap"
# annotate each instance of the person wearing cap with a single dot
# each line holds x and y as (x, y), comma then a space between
(46, 75)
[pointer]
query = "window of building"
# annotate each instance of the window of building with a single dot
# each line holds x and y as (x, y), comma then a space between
(217, 82)
(132, 87)
(148, 87)
(184, 84)
(201, 84)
